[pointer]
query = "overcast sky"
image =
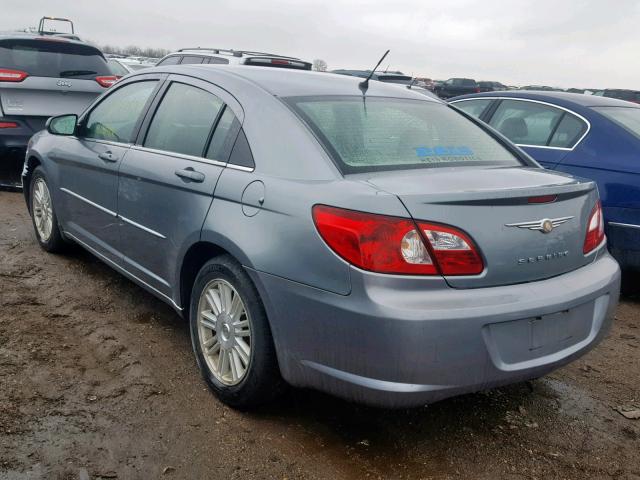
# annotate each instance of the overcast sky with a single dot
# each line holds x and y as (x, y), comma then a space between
(566, 43)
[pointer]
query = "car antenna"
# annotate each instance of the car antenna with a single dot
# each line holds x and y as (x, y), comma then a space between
(413, 80)
(364, 85)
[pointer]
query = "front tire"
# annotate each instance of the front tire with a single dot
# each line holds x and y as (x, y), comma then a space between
(43, 215)
(230, 336)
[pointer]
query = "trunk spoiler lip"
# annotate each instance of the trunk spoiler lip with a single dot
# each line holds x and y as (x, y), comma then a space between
(573, 189)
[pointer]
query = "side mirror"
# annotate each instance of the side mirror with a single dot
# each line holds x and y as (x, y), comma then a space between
(62, 125)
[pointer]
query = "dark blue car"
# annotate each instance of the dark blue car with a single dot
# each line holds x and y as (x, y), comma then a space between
(588, 136)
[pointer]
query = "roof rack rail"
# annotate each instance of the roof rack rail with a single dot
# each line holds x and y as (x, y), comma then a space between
(235, 53)
(42, 31)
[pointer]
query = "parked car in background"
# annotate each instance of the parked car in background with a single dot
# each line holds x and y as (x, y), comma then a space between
(485, 86)
(232, 57)
(119, 68)
(584, 135)
(456, 86)
(390, 251)
(42, 76)
(628, 95)
(541, 88)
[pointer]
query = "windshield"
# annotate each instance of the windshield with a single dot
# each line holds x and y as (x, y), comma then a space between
(627, 117)
(53, 58)
(392, 133)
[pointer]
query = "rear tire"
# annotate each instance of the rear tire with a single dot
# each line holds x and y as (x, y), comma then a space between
(43, 215)
(230, 336)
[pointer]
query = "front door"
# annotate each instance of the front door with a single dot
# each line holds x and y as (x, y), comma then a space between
(90, 164)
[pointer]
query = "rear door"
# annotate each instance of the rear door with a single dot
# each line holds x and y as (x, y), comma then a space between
(89, 164)
(168, 179)
(544, 131)
(57, 76)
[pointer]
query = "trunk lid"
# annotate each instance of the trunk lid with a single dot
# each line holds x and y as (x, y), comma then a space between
(492, 206)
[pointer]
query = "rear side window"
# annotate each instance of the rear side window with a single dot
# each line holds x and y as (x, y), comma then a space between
(170, 60)
(241, 154)
(218, 60)
(390, 133)
(48, 58)
(475, 108)
(526, 123)
(183, 121)
(223, 136)
(191, 59)
(115, 117)
(568, 132)
(627, 118)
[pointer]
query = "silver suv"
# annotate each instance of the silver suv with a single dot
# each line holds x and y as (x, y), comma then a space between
(232, 57)
(42, 76)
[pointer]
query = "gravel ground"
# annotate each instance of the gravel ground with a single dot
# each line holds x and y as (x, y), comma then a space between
(97, 380)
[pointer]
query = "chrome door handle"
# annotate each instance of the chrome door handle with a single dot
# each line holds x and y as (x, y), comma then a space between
(108, 156)
(190, 174)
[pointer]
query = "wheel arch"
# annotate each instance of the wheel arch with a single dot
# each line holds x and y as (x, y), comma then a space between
(194, 258)
(30, 164)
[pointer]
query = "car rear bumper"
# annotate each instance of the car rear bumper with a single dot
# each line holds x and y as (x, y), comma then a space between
(404, 341)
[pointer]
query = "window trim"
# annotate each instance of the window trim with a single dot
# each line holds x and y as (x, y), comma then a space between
(519, 99)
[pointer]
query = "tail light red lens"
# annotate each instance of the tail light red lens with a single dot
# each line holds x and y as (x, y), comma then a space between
(107, 81)
(385, 244)
(9, 125)
(7, 75)
(595, 229)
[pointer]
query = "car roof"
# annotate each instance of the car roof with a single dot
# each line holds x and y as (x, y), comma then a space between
(62, 37)
(564, 99)
(288, 82)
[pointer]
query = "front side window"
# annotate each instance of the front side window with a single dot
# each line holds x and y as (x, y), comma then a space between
(183, 121)
(391, 133)
(526, 123)
(115, 118)
(475, 108)
(627, 117)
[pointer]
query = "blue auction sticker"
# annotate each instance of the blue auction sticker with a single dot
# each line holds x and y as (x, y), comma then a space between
(442, 151)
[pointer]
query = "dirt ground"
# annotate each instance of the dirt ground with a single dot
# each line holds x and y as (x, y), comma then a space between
(97, 380)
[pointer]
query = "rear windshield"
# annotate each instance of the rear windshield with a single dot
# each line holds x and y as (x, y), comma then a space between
(53, 58)
(402, 79)
(391, 134)
(464, 82)
(627, 118)
(628, 95)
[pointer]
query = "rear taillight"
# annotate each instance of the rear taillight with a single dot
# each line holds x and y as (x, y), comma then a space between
(595, 230)
(7, 75)
(396, 245)
(454, 251)
(477, 89)
(106, 82)
(9, 125)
